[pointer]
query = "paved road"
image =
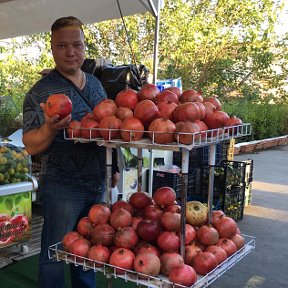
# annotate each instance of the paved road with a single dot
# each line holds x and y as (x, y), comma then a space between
(267, 220)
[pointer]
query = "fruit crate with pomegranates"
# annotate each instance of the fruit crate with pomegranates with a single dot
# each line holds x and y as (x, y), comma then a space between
(16, 188)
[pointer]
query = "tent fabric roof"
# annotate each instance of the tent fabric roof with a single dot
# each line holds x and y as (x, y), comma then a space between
(25, 17)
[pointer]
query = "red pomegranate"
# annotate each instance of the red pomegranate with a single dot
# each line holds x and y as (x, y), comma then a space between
(207, 235)
(168, 241)
(127, 98)
(99, 214)
(122, 258)
(148, 264)
(84, 227)
(164, 196)
(170, 260)
(100, 254)
(132, 129)
(102, 234)
(184, 275)
(204, 262)
(146, 111)
(148, 92)
(58, 104)
(109, 127)
(126, 238)
(120, 218)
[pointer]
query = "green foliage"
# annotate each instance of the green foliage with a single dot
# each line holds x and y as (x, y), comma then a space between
(268, 117)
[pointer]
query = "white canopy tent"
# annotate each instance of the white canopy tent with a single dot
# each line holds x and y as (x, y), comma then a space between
(25, 17)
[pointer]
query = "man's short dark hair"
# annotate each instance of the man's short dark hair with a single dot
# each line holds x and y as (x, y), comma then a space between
(66, 22)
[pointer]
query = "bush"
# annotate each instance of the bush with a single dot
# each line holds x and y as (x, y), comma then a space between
(267, 117)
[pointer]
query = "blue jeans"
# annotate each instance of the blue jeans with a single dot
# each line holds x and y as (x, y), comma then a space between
(64, 202)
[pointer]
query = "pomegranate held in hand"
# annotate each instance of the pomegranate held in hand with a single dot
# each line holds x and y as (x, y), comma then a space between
(58, 104)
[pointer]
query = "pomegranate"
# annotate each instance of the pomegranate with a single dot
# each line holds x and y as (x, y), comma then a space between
(207, 235)
(122, 258)
(80, 247)
(148, 92)
(89, 128)
(109, 127)
(190, 251)
(127, 98)
(164, 196)
(226, 227)
(203, 127)
(99, 214)
(190, 96)
(166, 109)
(123, 113)
(190, 233)
(102, 234)
(122, 204)
(170, 260)
(149, 248)
(120, 218)
(136, 221)
(209, 107)
(69, 238)
(216, 214)
(148, 230)
(167, 96)
(216, 119)
(74, 129)
(175, 90)
(148, 264)
(20, 224)
(228, 245)
(186, 112)
(84, 227)
(202, 110)
(184, 275)
(139, 200)
(220, 253)
(126, 238)
(170, 221)
(132, 129)
(146, 111)
(152, 212)
(99, 253)
(238, 241)
(204, 262)
(168, 241)
(173, 208)
(104, 109)
(187, 132)
(215, 101)
(232, 121)
(162, 131)
(196, 213)
(58, 104)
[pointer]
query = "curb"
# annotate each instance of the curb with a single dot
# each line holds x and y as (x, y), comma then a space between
(249, 147)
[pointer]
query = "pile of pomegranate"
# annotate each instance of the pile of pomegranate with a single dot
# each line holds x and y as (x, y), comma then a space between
(165, 117)
(143, 235)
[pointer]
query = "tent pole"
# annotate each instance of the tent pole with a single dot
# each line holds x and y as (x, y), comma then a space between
(156, 40)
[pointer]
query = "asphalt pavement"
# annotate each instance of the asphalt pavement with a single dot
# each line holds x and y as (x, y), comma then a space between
(266, 219)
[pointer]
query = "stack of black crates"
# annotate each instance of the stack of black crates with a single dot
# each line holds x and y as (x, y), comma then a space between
(230, 179)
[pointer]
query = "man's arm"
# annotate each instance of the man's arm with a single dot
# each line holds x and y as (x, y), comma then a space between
(38, 140)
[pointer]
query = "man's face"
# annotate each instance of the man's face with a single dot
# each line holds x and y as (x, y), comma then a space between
(68, 49)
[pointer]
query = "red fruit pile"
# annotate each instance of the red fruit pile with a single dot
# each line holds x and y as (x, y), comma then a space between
(169, 116)
(144, 235)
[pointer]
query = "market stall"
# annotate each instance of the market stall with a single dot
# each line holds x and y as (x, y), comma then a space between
(61, 254)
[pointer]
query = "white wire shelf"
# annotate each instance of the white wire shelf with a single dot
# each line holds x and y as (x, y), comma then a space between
(203, 138)
(56, 251)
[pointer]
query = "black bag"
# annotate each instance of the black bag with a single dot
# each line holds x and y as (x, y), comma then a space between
(117, 78)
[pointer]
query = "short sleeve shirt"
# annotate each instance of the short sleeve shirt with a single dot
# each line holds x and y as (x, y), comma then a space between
(64, 157)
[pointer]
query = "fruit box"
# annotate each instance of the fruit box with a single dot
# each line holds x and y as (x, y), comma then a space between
(15, 217)
(15, 164)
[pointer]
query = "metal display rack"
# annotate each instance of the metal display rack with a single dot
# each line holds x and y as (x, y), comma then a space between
(205, 138)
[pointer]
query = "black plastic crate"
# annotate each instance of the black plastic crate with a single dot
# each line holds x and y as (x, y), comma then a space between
(174, 180)
(228, 176)
(200, 156)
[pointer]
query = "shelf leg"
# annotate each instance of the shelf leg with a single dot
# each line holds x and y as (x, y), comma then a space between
(109, 176)
(212, 153)
(184, 186)
(150, 180)
(139, 168)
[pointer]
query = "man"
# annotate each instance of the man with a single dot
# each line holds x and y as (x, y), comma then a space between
(72, 176)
